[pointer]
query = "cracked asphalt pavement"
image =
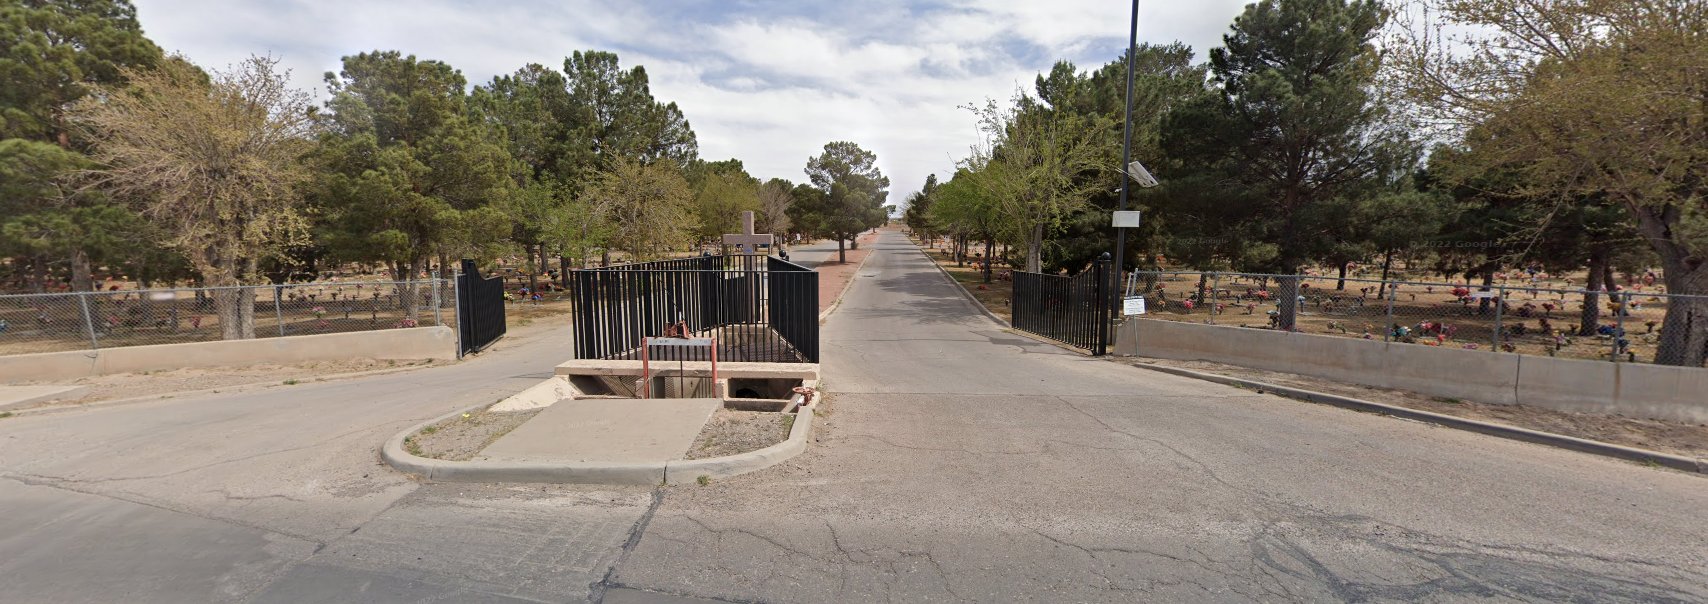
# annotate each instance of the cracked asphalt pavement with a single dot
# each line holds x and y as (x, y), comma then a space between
(955, 461)
(962, 462)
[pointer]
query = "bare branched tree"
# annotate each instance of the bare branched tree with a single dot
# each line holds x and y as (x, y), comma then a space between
(213, 160)
(1581, 99)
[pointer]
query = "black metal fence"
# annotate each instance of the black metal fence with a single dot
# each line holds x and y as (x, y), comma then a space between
(480, 309)
(1072, 310)
(760, 309)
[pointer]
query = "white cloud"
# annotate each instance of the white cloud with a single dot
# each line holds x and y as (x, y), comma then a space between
(767, 84)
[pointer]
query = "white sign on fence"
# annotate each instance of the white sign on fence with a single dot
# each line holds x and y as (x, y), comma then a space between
(1134, 305)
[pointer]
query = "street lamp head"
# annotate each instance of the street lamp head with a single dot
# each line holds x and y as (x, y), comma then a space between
(1141, 175)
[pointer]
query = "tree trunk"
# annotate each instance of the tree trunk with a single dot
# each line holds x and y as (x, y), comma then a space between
(841, 251)
(1287, 299)
(1590, 318)
(1387, 262)
(534, 269)
(1340, 284)
(989, 246)
(563, 271)
(1034, 249)
(1203, 282)
(406, 297)
(1684, 330)
(227, 303)
(82, 279)
(605, 257)
(38, 272)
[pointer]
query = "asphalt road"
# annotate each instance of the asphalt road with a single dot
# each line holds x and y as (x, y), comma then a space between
(957, 461)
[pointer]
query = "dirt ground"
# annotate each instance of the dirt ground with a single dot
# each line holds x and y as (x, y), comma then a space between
(462, 438)
(730, 432)
(1667, 437)
(166, 383)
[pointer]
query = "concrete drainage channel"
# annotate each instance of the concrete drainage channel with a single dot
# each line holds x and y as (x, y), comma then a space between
(396, 450)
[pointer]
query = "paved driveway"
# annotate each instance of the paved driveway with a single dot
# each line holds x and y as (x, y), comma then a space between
(965, 462)
(957, 462)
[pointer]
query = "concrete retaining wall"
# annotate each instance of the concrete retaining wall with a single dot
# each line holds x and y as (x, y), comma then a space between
(403, 344)
(1634, 390)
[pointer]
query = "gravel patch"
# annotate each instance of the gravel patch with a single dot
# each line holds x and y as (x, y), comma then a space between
(731, 432)
(461, 438)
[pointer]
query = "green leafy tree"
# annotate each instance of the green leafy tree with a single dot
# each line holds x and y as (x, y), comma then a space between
(618, 118)
(1295, 135)
(407, 174)
(721, 194)
(854, 192)
(917, 216)
(52, 54)
(649, 207)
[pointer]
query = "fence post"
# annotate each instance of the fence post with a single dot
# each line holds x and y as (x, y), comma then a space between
(1619, 321)
(437, 318)
(1388, 322)
(1215, 300)
(1102, 307)
(89, 321)
(457, 302)
(1500, 303)
(278, 308)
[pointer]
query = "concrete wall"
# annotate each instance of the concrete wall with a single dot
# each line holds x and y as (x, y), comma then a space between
(403, 344)
(1634, 390)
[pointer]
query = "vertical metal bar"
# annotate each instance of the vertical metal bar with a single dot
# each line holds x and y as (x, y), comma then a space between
(1500, 303)
(278, 308)
(438, 318)
(456, 296)
(1100, 308)
(1388, 325)
(1215, 302)
(1619, 321)
(89, 321)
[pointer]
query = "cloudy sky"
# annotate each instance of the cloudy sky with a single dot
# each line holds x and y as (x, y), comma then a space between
(765, 81)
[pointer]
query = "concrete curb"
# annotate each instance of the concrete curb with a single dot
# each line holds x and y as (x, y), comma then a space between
(654, 473)
(960, 288)
(837, 303)
(1677, 462)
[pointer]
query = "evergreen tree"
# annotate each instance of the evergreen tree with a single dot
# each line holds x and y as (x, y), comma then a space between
(52, 54)
(407, 174)
(1295, 138)
(853, 190)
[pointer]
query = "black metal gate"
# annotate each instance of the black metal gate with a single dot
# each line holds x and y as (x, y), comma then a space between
(760, 309)
(480, 309)
(1072, 310)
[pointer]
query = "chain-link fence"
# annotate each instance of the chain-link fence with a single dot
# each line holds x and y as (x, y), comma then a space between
(109, 319)
(1624, 325)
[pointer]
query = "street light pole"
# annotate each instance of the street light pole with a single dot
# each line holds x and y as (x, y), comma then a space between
(1126, 157)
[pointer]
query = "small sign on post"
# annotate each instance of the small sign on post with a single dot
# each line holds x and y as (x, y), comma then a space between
(1133, 305)
(1126, 220)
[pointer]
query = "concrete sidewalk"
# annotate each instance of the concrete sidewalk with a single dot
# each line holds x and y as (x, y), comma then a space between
(18, 396)
(608, 430)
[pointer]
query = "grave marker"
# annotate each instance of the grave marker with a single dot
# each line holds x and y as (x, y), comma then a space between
(748, 242)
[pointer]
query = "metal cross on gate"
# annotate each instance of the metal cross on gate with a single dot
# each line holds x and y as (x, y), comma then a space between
(748, 242)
